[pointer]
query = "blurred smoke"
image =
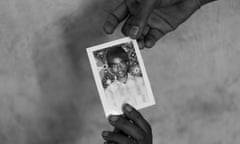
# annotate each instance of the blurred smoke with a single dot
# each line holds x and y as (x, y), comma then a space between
(64, 75)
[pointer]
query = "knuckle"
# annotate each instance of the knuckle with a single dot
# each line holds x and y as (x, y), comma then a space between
(137, 116)
(122, 123)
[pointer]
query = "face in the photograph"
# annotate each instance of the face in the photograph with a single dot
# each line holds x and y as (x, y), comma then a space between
(118, 62)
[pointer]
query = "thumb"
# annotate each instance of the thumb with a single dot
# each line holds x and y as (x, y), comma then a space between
(139, 19)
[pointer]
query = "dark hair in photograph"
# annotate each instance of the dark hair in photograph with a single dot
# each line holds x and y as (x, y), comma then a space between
(116, 52)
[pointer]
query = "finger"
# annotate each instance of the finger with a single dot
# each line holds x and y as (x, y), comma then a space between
(146, 30)
(139, 19)
(160, 20)
(133, 6)
(126, 27)
(127, 127)
(152, 37)
(141, 39)
(116, 130)
(137, 118)
(133, 9)
(116, 138)
(115, 18)
(141, 43)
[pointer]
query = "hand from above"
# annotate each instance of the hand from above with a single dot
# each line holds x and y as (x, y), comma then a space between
(149, 20)
(130, 128)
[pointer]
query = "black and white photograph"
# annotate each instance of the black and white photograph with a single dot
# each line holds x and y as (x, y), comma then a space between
(120, 75)
(119, 71)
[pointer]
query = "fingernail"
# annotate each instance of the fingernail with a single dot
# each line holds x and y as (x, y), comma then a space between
(105, 133)
(134, 31)
(114, 118)
(127, 107)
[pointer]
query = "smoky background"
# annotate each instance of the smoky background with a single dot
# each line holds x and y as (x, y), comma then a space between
(48, 95)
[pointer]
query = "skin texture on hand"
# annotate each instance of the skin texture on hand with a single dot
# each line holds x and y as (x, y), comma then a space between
(149, 20)
(130, 128)
(206, 1)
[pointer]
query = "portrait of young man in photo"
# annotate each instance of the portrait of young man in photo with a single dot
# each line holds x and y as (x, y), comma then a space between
(126, 87)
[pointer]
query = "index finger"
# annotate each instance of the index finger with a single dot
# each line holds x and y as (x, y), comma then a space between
(115, 18)
(137, 118)
(139, 16)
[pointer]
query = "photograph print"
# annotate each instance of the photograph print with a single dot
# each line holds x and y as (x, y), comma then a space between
(120, 75)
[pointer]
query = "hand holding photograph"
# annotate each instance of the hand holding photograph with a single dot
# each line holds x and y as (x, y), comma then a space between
(120, 75)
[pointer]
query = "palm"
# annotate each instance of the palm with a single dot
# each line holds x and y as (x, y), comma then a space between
(166, 19)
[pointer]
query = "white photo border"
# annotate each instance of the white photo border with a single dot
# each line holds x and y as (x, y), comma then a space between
(90, 53)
